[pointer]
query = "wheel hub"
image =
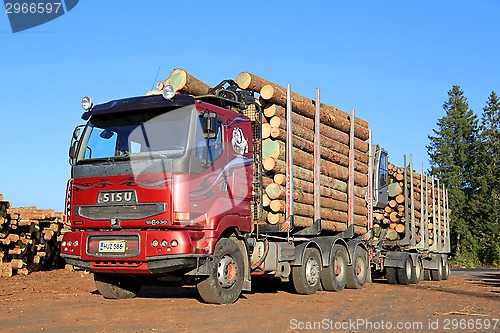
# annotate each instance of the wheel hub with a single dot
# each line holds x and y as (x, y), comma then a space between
(312, 271)
(227, 271)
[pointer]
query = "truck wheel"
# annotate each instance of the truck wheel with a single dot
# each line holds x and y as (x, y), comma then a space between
(405, 273)
(116, 286)
(446, 268)
(357, 273)
(392, 275)
(334, 276)
(417, 272)
(225, 280)
(306, 277)
(437, 274)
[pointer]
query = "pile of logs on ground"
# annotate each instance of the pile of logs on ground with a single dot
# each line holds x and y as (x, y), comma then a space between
(427, 208)
(29, 239)
(335, 128)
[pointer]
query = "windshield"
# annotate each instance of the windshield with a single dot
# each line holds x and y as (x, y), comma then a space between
(141, 133)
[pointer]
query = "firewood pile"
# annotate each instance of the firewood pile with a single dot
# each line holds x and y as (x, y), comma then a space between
(428, 208)
(335, 127)
(29, 239)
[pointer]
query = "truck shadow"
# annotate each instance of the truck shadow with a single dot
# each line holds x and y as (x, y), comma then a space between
(259, 286)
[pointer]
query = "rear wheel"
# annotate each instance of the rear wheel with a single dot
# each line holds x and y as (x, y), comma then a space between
(446, 268)
(417, 271)
(391, 274)
(405, 273)
(306, 277)
(225, 280)
(357, 273)
(334, 276)
(116, 286)
(437, 274)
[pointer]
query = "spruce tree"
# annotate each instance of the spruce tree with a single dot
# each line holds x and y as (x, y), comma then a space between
(488, 177)
(452, 153)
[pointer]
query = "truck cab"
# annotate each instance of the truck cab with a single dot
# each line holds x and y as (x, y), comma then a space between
(155, 182)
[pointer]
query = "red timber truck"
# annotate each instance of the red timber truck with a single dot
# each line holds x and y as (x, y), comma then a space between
(171, 188)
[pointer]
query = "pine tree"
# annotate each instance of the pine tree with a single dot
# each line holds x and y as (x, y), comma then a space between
(452, 152)
(488, 176)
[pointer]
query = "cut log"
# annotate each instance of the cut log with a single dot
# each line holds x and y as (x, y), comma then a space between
(394, 189)
(248, 81)
(185, 83)
(400, 228)
(391, 234)
(325, 130)
(327, 154)
(277, 150)
(277, 95)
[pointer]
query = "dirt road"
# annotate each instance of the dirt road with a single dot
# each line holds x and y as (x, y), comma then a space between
(63, 301)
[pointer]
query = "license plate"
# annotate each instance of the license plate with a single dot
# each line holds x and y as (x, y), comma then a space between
(112, 246)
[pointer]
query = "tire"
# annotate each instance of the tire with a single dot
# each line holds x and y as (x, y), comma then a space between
(334, 276)
(226, 274)
(306, 277)
(392, 275)
(437, 274)
(116, 286)
(446, 268)
(405, 273)
(417, 271)
(427, 274)
(357, 273)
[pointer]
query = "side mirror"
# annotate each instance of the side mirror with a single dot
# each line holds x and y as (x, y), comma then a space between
(210, 125)
(72, 151)
(74, 143)
(76, 133)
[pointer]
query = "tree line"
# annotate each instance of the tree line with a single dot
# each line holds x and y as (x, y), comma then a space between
(464, 153)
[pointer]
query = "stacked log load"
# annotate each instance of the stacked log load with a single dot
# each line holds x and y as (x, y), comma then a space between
(335, 128)
(29, 239)
(427, 208)
(334, 165)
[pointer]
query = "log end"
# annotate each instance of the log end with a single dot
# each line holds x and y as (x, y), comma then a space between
(267, 91)
(243, 80)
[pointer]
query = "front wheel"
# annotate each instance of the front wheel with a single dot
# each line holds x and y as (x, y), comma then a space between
(357, 273)
(226, 273)
(116, 286)
(306, 277)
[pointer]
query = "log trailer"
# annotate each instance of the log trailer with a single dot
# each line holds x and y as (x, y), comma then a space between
(171, 188)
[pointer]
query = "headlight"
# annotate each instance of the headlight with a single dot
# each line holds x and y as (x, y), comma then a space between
(168, 92)
(154, 243)
(86, 103)
(174, 243)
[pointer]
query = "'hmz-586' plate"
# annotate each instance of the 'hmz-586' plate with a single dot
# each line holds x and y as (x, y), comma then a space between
(112, 246)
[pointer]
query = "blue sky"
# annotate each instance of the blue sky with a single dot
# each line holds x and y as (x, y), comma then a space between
(393, 61)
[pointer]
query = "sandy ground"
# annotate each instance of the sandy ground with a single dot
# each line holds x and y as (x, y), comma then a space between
(64, 301)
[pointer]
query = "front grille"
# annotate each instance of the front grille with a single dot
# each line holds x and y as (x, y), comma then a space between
(124, 212)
